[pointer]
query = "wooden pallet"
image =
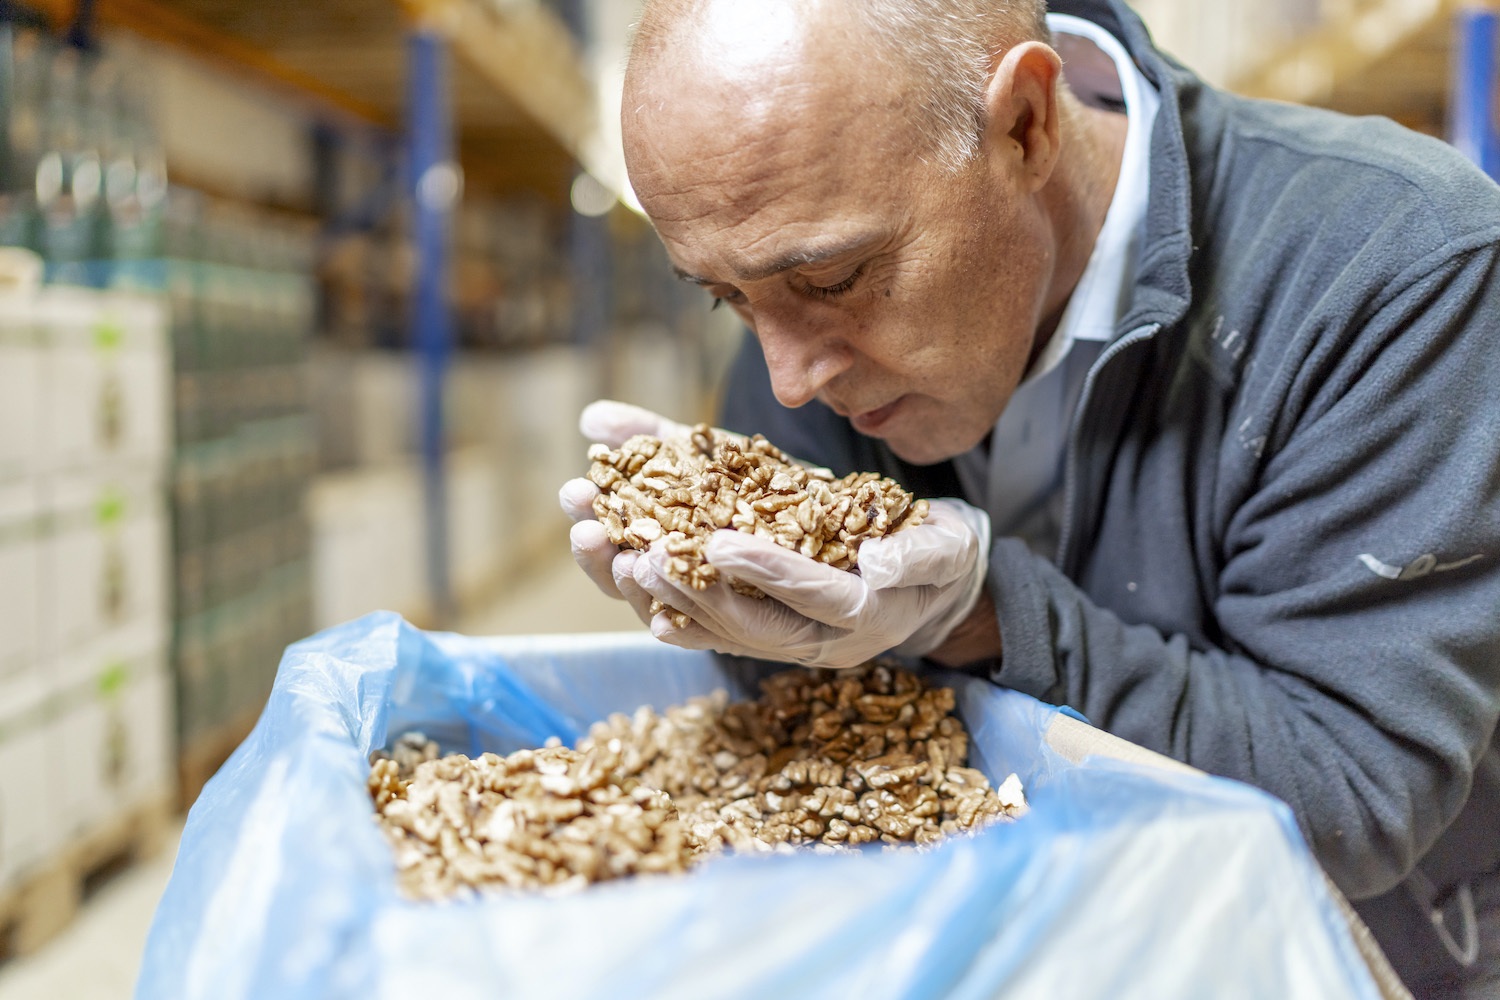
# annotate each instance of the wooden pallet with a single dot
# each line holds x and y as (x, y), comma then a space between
(201, 759)
(46, 898)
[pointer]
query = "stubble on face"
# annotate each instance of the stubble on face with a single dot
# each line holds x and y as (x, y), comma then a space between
(799, 141)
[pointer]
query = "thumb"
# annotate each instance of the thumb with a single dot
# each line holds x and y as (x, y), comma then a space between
(940, 550)
(613, 423)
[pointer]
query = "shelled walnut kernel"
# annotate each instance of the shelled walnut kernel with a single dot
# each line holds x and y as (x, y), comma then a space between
(553, 818)
(829, 759)
(823, 757)
(683, 490)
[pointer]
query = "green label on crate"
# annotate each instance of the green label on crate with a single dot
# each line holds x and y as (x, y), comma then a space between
(108, 335)
(110, 510)
(113, 678)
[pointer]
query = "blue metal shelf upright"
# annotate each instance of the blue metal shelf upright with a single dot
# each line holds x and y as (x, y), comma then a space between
(434, 187)
(1473, 107)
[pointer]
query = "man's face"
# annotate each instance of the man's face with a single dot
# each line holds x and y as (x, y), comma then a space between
(791, 186)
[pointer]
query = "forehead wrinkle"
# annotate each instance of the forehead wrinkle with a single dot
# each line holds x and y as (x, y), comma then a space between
(744, 180)
(749, 170)
(731, 173)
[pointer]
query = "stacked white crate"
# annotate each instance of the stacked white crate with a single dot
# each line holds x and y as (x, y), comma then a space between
(24, 808)
(85, 698)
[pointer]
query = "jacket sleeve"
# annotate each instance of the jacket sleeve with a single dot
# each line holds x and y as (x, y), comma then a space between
(1356, 670)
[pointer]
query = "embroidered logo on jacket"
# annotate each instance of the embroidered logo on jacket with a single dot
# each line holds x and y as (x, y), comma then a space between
(1424, 565)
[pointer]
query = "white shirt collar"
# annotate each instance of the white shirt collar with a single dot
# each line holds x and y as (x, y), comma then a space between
(1102, 293)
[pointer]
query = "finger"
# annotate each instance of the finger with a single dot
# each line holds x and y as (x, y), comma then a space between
(920, 556)
(812, 589)
(576, 498)
(594, 552)
(637, 578)
(613, 423)
(694, 636)
(763, 626)
(624, 576)
(936, 552)
(763, 629)
(650, 574)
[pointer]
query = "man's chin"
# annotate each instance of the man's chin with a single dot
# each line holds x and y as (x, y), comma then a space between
(921, 451)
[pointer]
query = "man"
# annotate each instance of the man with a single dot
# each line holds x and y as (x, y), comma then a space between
(1218, 383)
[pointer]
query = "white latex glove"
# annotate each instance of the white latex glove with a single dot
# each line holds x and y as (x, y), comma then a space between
(612, 424)
(912, 589)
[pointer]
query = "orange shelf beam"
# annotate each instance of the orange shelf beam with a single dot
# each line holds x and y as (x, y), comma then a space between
(159, 23)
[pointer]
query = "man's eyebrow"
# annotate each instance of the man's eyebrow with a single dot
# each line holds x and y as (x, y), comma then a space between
(685, 276)
(797, 257)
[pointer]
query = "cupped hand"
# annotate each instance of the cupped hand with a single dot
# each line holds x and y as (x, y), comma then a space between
(913, 587)
(610, 423)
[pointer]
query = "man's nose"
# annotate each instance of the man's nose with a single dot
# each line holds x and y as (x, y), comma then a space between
(801, 361)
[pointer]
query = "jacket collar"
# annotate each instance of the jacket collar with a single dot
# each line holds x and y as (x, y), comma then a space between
(1163, 288)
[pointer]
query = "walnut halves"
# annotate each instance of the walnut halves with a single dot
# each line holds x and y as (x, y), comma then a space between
(683, 490)
(826, 759)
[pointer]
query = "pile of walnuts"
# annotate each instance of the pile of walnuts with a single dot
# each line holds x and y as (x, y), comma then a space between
(552, 817)
(684, 490)
(827, 759)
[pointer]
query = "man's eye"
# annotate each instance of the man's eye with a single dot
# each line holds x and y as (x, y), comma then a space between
(831, 291)
(733, 297)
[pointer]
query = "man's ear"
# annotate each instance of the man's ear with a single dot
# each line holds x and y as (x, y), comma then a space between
(1022, 128)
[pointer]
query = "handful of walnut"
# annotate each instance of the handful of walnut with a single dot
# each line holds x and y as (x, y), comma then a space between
(826, 759)
(684, 490)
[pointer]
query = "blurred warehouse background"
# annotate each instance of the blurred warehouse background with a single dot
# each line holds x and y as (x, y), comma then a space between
(298, 307)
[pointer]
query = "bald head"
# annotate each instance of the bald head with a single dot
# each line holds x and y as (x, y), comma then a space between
(937, 53)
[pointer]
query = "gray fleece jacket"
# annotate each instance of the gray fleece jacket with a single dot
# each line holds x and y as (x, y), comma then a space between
(1281, 555)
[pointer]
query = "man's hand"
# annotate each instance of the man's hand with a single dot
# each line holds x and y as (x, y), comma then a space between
(912, 589)
(609, 423)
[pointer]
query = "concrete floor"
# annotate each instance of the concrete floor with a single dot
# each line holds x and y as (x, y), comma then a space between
(98, 956)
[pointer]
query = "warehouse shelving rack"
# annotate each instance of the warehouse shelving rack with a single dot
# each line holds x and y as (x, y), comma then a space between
(533, 86)
(1403, 58)
(437, 88)
(1428, 64)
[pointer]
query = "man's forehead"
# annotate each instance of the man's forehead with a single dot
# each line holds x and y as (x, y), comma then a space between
(750, 201)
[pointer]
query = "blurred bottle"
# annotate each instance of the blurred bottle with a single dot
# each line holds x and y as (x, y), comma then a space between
(24, 60)
(135, 178)
(69, 177)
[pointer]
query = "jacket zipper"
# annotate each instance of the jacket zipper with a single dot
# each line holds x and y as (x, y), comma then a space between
(1070, 467)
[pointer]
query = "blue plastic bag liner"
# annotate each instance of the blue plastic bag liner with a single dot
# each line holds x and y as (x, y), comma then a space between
(1121, 882)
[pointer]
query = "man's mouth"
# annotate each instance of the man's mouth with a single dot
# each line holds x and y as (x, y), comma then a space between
(870, 422)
